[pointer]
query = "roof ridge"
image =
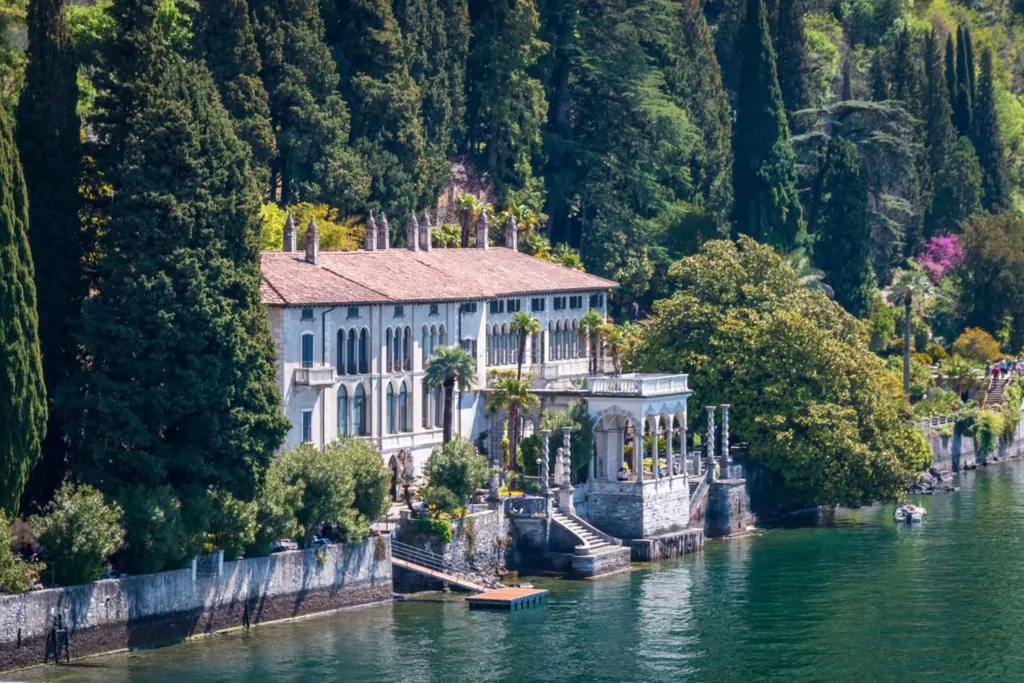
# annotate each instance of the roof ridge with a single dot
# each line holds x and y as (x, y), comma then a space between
(336, 274)
(276, 290)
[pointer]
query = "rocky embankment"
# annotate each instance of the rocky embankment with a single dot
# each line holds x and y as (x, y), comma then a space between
(934, 481)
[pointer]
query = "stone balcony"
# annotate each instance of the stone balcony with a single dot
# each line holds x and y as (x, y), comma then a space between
(628, 385)
(322, 376)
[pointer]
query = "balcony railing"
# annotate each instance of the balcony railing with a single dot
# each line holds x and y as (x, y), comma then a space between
(315, 377)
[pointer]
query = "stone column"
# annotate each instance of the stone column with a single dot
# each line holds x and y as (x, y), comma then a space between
(726, 456)
(655, 424)
(545, 454)
(567, 453)
(668, 445)
(711, 439)
(682, 444)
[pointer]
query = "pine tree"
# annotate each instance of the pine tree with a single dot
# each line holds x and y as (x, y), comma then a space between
(939, 132)
(315, 162)
(224, 39)
(179, 396)
(764, 167)
(49, 145)
(987, 139)
(384, 101)
(22, 392)
(790, 44)
(879, 82)
(505, 106)
(906, 75)
(962, 102)
(843, 228)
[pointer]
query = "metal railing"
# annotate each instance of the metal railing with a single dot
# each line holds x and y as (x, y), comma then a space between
(434, 562)
(933, 422)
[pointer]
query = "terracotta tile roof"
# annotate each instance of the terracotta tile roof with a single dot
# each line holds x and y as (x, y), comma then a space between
(364, 277)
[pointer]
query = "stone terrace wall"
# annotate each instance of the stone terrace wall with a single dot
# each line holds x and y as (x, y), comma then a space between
(481, 543)
(159, 608)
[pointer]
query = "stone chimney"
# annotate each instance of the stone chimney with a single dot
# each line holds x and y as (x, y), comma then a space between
(426, 239)
(370, 236)
(412, 234)
(482, 231)
(383, 233)
(512, 234)
(312, 244)
(290, 234)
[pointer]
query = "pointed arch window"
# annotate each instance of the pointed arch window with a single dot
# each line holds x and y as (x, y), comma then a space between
(442, 339)
(407, 349)
(425, 408)
(390, 409)
(403, 409)
(389, 346)
(438, 407)
(307, 350)
(364, 352)
(350, 352)
(343, 417)
(341, 352)
(359, 424)
(425, 345)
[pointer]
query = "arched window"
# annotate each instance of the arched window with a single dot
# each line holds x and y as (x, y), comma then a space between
(359, 424)
(439, 407)
(490, 348)
(433, 339)
(425, 345)
(403, 409)
(390, 407)
(425, 408)
(341, 352)
(407, 349)
(399, 348)
(574, 341)
(389, 345)
(351, 352)
(342, 411)
(441, 336)
(505, 344)
(535, 343)
(364, 352)
(558, 341)
(307, 349)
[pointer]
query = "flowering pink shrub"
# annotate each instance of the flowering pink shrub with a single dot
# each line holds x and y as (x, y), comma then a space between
(940, 255)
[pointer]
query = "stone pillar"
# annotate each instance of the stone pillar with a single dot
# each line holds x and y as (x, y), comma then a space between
(655, 424)
(682, 445)
(567, 446)
(726, 455)
(711, 439)
(668, 445)
(545, 450)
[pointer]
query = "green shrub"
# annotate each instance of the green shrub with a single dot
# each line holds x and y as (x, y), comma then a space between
(79, 531)
(945, 431)
(936, 351)
(232, 524)
(326, 491)
(276, 503)
(441, 528)
(370, 476)
(977, 345)
(15, 575)
(457, 467)
(440, 499)
(155, 537)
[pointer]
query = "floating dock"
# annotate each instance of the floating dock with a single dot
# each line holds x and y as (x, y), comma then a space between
(508, 598)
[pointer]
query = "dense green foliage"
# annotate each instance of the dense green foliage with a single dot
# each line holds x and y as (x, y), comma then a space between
(807, 396)
(48, 140)
(79, 532)
(22, 393)
(450, 367)
(15, 575)
(458, 469)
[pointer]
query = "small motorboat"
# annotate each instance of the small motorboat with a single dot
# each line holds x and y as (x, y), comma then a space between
(910, 514)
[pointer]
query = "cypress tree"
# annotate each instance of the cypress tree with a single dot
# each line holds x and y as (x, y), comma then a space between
(49, 145)
(879, 83)
(22, 392)
(766, 206)
(383, 99)
(224, 39)
(962, 102)
(315, 162)
(505, 105)
(987, 139)
(847, 93)
(958, 188)
(843, 228)
(939, 133)
(951, 71)
(971, 73)
(906, 75)
(179, 396)
(790, 45)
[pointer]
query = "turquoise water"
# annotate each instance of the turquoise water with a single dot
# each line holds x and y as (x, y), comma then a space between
(858, 599)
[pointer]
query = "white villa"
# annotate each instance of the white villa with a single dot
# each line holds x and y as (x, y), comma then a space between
(353, 331)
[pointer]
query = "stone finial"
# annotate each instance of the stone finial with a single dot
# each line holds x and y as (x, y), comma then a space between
(290, 234)
(383, 233)
(312, 243)
(426, 238)
(711, 437)
(412, 233)
(726, 455)
(370, 237)
(482, 231)
(512, 234)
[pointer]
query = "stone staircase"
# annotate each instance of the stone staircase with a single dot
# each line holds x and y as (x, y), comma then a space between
(591, 541)
(996, 395)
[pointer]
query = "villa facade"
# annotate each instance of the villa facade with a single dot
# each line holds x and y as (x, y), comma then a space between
(353, 332)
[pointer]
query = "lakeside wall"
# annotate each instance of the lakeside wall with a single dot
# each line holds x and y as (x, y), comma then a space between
(957, 452)
(151, 609)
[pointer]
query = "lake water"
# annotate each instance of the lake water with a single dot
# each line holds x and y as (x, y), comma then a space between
(860, 599)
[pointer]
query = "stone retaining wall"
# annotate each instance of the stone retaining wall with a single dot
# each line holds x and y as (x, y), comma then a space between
(728, 508)
(170, 606)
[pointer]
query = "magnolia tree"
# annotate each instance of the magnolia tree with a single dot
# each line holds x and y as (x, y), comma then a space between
(940, 255)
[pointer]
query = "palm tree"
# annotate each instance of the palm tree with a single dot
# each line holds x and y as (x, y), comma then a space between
(912, 288)
(512, 394)
(524, 325)
(615, 340)
(810, 277)
(591, 326)
(471, 209)
(448, 367)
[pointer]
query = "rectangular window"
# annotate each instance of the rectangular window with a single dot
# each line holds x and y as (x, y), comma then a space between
(496, 307)
(433, 309)
(514, 305)
(469, 307)
(576, 302)
(596, 300)
(399, 311)
(559, 303)
(353, 311)
(307, 426)
(536, 305)
(307, 350)
(307, 313)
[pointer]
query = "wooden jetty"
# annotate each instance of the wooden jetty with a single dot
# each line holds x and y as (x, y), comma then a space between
(451, 579)
(508, 598)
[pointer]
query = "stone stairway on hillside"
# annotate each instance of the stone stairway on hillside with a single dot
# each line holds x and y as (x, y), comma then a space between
(996, 395)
